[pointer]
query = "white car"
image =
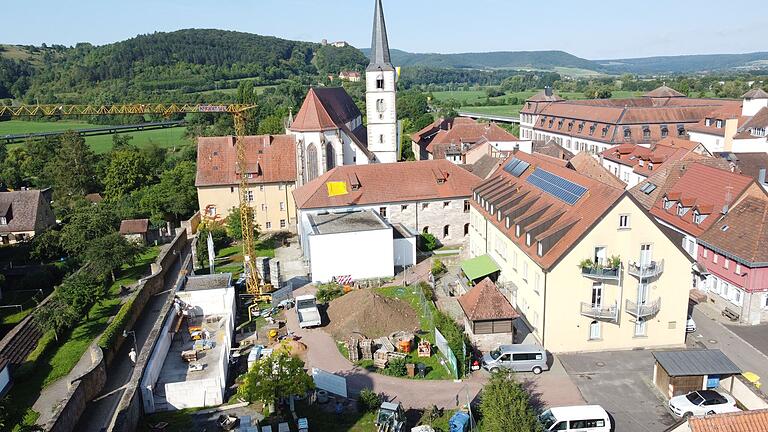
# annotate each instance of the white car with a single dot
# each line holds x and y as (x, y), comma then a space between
(690, 325)
(702, 402)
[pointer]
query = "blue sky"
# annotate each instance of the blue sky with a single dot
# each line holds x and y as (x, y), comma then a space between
(587, 28)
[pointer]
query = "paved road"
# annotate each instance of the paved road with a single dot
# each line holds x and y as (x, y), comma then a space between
(621, 382)
(714, 335)
(100, 411)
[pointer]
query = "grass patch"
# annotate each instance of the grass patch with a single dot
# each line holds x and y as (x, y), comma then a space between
(501, 110)
(230, 258)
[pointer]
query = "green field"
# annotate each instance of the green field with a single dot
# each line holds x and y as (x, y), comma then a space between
(166, 138)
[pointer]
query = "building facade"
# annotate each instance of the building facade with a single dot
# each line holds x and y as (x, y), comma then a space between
(582, 262)
(24, 214)
(738, 128)
(461, 140)
(596, 125)
(271, 164)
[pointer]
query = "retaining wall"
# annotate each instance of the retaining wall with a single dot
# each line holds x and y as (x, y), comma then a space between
(81, 390)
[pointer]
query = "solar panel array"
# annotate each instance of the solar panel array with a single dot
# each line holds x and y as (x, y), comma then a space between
(516, 167)
(562, 189)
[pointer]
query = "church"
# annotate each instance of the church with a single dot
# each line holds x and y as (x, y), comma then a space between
(329, 130)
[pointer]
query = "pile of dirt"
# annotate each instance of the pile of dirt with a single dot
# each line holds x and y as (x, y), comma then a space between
(370, 314)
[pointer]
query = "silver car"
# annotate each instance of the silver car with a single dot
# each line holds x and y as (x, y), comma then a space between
(517, 358)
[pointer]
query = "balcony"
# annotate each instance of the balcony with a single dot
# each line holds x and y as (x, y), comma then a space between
(610, 313)
(644, 311)
(601, 273)
(648, 271)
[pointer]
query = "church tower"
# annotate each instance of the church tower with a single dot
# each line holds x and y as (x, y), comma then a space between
(380, 95)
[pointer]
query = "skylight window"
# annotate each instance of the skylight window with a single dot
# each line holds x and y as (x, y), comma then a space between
(724, 228)
(648, 188)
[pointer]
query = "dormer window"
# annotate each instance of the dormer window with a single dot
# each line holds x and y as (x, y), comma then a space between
(509, 222)
(605, 131)
(646, 133)
(641, 162)
(627, 134)
(681, 211)
(592, 129)
(680, 130)
(543, 120)
(540, 249)
(708, 122)
(581, 127)
(551, 122)
(518, 230)
(570, 125)
(528, 239)
(719, 124)
(698, 218)
(560, 124)
(664, 131)
(668, 203)
(650, 166)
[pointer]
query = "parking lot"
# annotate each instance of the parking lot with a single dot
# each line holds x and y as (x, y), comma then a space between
(622, 383)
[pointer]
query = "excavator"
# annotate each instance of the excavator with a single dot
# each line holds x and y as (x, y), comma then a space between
(239, 111)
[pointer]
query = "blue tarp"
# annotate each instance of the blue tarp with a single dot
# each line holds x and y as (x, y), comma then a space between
(459, 422)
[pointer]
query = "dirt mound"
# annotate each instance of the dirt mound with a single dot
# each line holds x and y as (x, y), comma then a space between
(370, 314)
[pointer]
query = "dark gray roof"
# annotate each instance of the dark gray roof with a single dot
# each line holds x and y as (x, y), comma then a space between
(206, 282)
(25, 210)
(380, 59)
(696, 362)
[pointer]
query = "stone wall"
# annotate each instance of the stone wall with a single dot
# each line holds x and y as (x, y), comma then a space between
(81, 390)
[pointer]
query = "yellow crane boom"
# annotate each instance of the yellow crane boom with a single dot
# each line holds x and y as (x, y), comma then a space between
(166, 109)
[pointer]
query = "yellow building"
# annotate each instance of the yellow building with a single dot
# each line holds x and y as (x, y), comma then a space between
(584, 264)
(271, 173)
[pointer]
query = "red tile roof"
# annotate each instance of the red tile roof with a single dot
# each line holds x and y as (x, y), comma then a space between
(134, 226)
(484, 302)
(646, 161)
(269, 159)
(664, 92)
(325, 109)
(469, 131)
(757, 93)
(745, 421)
(388, 183)
(586, 165)
(746, 235)
(704, 189)
(554, 223)
(727, 112)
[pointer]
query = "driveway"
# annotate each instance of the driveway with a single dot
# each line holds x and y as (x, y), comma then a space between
(621, 382)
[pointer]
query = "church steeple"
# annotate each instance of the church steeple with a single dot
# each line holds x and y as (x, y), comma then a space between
(380, 59)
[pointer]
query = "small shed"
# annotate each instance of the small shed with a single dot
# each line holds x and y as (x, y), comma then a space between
(679, 372)
(136, 230)
(478, 268)
(489, 318)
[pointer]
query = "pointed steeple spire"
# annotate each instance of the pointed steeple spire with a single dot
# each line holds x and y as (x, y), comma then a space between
(380, 59)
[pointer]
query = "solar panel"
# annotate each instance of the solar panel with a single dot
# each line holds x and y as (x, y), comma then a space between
(560, 188)
(516, 167)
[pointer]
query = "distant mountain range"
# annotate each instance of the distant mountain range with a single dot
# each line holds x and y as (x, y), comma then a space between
(559, 59)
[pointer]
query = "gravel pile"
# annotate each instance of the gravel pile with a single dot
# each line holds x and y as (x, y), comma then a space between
(370, 314)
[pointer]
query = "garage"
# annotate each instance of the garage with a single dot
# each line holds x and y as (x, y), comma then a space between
(489, 318)
(680, 372)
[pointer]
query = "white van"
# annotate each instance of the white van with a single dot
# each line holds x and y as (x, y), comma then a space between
(587, 418)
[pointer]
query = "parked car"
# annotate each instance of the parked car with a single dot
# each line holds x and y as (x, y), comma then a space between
(702, 402)
(690, 325)
(591, 418)
(517, 358)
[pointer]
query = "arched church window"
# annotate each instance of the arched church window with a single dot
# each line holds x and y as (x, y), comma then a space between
(330, 157)
(311, 162)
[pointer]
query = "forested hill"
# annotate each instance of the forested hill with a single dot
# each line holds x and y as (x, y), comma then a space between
(187, 61)
(493, 60)
(687, 63)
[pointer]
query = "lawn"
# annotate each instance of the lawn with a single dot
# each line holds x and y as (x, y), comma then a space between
(166, 138)
(230, 258)
(51, 361)
(502, 110)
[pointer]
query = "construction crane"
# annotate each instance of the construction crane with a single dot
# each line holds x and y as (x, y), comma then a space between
(238, 111)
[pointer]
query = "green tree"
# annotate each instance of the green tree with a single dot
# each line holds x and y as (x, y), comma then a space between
(12, 173)
(80, 291)
(275, 377)
(174, 197)
(220, 240)
(505, 406)
(128, 170)
(55, 316)
(411, 104)
(86, 223)
(47, 246)
(72, 169)
(110, 252)
(234, 224)
(271, 125)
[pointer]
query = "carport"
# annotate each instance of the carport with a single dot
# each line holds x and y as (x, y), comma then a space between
(679, 372)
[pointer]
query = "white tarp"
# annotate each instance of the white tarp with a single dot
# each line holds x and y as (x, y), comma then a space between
(330, 382)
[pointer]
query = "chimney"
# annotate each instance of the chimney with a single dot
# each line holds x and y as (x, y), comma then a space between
(548, 91)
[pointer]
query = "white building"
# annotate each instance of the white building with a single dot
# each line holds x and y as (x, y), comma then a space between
(737, 129)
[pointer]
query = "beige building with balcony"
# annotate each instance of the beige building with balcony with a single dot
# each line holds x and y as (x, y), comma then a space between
(583, 263)
(271, 174)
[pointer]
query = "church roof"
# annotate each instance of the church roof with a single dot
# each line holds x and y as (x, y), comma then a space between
(324, 109)
(380, 59)
(664, 92)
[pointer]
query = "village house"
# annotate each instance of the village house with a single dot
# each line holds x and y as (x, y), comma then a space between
(634, 163)
(350, 76)
(581, 260)
(754, 164)
(135, 230)
(735, 127)
(461, 140)
(271, 176)
(24, 214)
(596, 125)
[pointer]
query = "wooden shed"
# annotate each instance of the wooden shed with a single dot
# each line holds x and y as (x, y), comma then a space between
(679, 372)
(488, 313)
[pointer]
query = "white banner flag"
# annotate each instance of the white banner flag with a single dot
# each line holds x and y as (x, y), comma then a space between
(211, 252)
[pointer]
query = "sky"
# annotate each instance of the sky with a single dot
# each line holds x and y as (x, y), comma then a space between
(588, 28)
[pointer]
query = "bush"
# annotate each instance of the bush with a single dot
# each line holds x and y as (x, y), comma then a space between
(328, 292)
(396, 367)
(368, 401)
(505, 402)
(428, 242)
(454, 335)
(429, 293)
(116, 327)
(438, 267)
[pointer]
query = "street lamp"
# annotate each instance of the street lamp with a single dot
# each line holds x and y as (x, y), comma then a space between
(132, 333)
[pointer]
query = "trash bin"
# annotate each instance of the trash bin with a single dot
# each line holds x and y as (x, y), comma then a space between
(411, 368)
(422, 370)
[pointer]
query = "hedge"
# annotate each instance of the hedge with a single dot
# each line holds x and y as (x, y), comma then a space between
(454, 335)
(116, 327)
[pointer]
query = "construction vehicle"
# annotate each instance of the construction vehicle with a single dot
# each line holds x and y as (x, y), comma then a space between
(252, 280)
(306, 309)
(390, 418)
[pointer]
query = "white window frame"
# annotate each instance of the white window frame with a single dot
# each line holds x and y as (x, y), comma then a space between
(595, 331)
(525, 271)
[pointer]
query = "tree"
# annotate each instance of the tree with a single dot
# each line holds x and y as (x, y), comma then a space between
(56, 315)
(127, 171)
(86, 223)
(110, 252)
(411, 104)
(275, 377)
(505, 406)
(174, 197)
(271, 125)
(234, 224)
(72, 169)
(12, 173)
(80, 291)
(220, 239)
(47, 246)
